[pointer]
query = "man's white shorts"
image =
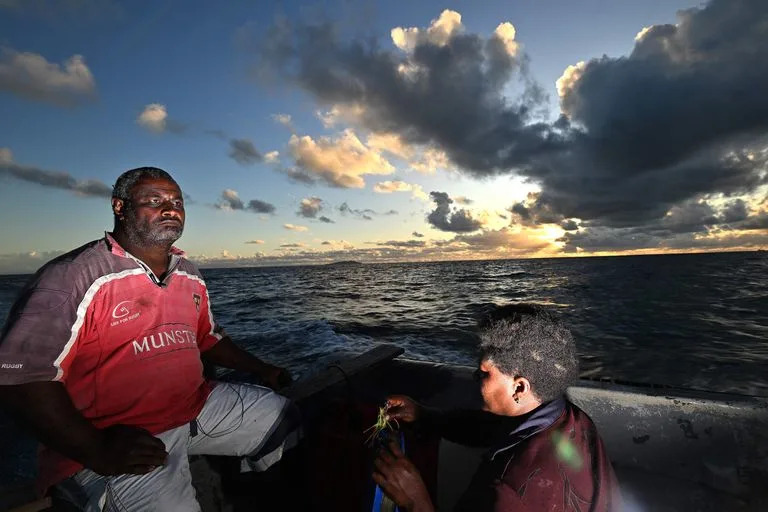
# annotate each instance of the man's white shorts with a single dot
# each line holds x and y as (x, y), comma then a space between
(237, 419)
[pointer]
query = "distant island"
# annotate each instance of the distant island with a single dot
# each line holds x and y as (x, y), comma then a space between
(344, 263)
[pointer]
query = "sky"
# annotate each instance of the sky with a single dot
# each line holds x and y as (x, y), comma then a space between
(313, 132)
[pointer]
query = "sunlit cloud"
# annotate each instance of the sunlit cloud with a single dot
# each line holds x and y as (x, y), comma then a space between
(387, 187)
(351, 113)
(309, 207)
(255, 242)
(283, 119)
(568, 79)
(438, 33)
(505, 33)
(295, 227)
(338, 244)
(339, 162)
(153, 117)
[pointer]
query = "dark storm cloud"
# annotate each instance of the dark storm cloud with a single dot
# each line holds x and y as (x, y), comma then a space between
(735, 211)
(61, 180)
(244, 152)
(482, 131)
(446, 219)
(675, 121)
(684, 227)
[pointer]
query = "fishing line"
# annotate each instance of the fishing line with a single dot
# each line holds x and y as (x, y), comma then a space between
(212, 434)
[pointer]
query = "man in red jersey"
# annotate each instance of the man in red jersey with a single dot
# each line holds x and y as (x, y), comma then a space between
(102, 357)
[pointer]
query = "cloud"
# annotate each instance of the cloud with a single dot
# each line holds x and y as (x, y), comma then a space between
(387, 187)
(692, 225)
(403, 243)
(154, 118)
(338, 244)
(446, 219)
(503, 240)
(26, 262)
(569, 225)
(439, 33)
(31, 76)
(682, 119)
(292, 246)
(340, 162)
(417, 234)
(310, 207)
(403, 91)
(674, 120)
(283, 119)
(463, 200)
(325, 219)
(294, 227)
(244, 152)
(53, 179)
(258, 206)
(271, 157)
(230, 200)
(297, 175)
(256, 242)
(366, 214)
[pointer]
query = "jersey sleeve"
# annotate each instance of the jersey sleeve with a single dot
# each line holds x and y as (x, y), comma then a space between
(39, 339)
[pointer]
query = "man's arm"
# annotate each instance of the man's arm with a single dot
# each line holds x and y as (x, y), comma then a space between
(225, 353)
(45, 407)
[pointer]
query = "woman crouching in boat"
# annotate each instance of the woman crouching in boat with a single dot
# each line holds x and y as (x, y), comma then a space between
(545, 455)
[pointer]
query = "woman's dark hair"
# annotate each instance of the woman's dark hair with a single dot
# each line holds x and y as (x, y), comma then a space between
(127, 180)
(535, 346)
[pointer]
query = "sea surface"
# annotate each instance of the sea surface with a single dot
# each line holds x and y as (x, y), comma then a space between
(694, 321)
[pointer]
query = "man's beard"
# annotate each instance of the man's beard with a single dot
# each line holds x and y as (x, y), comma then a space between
(144, 234)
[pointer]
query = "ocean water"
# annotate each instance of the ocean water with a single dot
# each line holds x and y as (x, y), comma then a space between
(695, 321)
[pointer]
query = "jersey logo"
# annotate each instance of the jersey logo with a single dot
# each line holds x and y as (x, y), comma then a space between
(196, 299)
(124, 312)
(121, 310)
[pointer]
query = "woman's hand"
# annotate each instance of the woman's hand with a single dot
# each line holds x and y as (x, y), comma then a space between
(400, 480)
(403, 408)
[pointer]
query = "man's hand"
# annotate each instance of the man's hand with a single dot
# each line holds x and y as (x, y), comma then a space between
(275, 377)
(403, 408)
(126, 450)
(401, 481)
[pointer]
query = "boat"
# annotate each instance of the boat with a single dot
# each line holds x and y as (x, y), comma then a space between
(672, 449)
